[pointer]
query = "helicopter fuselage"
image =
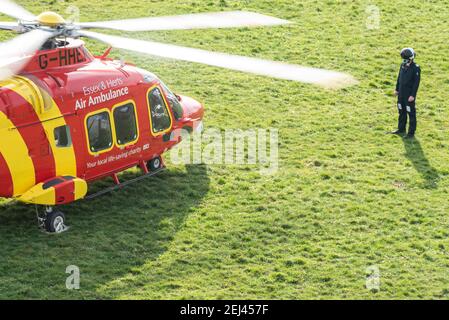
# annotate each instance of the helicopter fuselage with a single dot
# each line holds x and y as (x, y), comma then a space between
(71, 118)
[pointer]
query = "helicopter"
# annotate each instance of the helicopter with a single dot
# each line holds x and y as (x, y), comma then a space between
(68, 118)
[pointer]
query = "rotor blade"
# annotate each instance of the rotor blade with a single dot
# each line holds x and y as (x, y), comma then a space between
(8, 25)
(15, 54)
(190, 21)
(324, 78)
(11, 9)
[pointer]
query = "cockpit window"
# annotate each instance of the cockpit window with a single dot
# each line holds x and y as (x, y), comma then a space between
(174, 103)
(160, 116)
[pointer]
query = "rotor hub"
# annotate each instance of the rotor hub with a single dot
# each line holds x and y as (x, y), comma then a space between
(50, 19)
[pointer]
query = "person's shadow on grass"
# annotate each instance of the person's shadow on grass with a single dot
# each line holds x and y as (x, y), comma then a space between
(415, 154)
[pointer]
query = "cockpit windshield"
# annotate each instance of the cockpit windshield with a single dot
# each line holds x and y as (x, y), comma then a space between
(173, 102)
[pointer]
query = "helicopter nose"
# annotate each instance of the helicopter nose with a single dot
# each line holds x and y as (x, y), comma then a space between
(6, 185)
(192, 108)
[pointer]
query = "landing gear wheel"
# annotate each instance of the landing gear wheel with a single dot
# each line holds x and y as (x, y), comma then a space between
(155, 164)
(55, 222)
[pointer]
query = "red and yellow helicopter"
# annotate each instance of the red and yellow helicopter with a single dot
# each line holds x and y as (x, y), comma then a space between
(68, 118)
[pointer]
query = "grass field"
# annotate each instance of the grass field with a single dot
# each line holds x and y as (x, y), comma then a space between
(346, 197)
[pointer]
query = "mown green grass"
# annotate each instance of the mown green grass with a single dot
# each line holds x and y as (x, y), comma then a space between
(346, 196)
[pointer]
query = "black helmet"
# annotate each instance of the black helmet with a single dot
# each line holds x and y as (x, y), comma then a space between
(408, 54)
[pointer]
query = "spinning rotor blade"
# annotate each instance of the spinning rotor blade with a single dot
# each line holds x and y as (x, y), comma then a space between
(15, 54)
(8, 25)
(324, 78)
(190, 21)
(11, 9)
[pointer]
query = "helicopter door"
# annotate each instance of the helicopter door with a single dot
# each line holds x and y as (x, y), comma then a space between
(108, 128)
(98, 126)
(160, 119)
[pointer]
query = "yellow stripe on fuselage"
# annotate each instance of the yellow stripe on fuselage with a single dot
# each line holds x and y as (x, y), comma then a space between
(15, 151)
(80, 188)
(37, 195)
(51, 118)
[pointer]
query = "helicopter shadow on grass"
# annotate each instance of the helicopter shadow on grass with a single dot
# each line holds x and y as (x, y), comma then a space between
(415, 153)
(109, 236)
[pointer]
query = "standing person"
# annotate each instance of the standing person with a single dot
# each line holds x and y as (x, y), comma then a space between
(407, 87)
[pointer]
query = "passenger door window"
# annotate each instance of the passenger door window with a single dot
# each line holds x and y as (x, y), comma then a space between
(125, 124)
(99, 132)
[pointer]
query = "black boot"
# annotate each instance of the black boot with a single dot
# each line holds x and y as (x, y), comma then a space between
(398, 132)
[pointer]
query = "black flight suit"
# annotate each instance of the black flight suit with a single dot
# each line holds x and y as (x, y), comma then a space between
(407, 86)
